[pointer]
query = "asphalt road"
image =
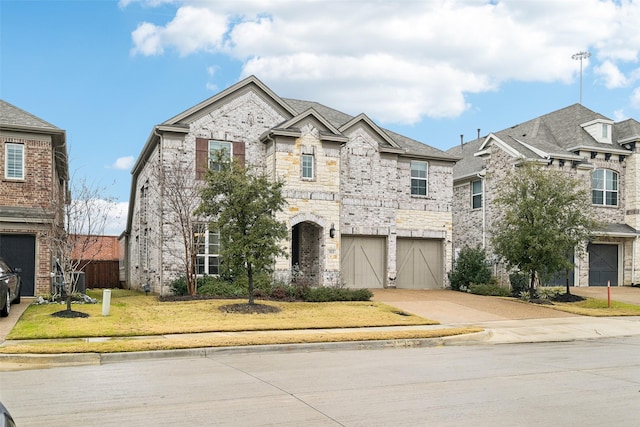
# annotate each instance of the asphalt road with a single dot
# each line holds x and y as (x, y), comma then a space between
(581, 383)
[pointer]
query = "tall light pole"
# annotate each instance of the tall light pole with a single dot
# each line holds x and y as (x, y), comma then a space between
(580, 56)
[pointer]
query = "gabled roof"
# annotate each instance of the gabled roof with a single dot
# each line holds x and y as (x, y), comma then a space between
(234, 90)
(342, 121)
(16, 119)
(556, 135)
(289, 127)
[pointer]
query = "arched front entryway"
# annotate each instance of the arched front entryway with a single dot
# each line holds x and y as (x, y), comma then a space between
(306, 253)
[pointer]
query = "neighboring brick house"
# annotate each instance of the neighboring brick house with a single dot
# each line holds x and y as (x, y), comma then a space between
(33, 189)
(366, 207)
(602, 153)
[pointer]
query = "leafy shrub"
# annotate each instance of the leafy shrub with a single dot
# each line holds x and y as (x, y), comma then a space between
(471, 267)
(280, 293)
(219, 287)
(326, 294)
(519, 283)
(489, 289)
(550, 292)
(179, 286)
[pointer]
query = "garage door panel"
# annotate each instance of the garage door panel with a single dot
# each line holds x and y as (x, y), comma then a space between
(363, 261)
(420, 264)
(603, 264)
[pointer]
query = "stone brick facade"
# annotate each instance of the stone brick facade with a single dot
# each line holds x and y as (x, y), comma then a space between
(577, 154)
(360, 184)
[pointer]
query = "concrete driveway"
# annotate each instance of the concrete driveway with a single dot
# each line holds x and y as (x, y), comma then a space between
(451, 307)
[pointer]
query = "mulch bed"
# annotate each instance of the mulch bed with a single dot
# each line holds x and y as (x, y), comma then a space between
(69, 314)
(568, 298)
(245, 308)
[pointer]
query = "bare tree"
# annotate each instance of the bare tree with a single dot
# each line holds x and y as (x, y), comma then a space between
(75, 239)
(180, 195)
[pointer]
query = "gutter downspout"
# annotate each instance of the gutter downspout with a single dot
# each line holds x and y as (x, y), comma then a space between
(484, 212)
(161, 165)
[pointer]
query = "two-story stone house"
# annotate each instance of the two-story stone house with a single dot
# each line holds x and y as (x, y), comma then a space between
(366, 207)
(582, 143)
(33, 187)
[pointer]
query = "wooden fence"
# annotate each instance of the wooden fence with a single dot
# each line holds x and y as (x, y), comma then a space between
(102, 274)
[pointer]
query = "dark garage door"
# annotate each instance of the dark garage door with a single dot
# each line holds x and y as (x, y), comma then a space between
(603, 265)
(19, 250)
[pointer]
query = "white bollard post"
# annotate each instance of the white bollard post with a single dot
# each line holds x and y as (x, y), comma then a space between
(106, 301)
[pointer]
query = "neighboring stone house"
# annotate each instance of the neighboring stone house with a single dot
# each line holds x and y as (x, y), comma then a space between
(366, 207)
(582, 143)
(33, 189)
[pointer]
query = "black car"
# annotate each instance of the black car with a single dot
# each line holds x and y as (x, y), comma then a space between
(10, 285)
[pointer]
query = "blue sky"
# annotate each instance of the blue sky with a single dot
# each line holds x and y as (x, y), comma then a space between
(108, 71)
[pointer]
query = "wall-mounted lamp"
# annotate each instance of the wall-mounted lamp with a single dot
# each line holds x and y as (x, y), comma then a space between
(332, 231)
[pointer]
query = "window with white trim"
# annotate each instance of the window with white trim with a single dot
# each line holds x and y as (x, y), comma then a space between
(307, 166)
(604, 187)
(476, 194)
(419, 178)
(207, 242)
(14, 161)
(216, 147)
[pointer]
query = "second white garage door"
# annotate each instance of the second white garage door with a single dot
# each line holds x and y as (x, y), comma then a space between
(363, 261)
(420, 264)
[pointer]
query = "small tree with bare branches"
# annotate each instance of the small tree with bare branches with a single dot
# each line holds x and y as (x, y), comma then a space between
(84, 216)
(180, 193)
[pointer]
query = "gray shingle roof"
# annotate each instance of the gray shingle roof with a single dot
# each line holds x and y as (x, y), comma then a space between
(553, 133)
(12, 116)
(338, 118)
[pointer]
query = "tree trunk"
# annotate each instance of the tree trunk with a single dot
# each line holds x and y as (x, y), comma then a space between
(532, 284)
(567, 281)
(250, 279)
(68, 301)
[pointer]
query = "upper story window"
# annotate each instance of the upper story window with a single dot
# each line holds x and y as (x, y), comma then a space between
(419, 178)
(307, 166)
(476, 194)
(604, 187)
(14, 161)
(207, 242)
(215, 148)
(605, 131)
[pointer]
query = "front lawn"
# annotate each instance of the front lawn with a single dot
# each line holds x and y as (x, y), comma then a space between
(167, 325)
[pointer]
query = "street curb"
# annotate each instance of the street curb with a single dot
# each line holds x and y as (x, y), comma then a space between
(34, 361)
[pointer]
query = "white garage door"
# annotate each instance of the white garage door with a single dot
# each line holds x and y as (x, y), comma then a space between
(362, 261)
(420, 264)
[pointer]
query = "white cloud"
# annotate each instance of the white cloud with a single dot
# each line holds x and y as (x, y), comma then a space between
(403, 61)
(613, 77)
(619, 115)
(116, 219)
(123, 163)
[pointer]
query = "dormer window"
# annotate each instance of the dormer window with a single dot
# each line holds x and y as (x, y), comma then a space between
(599, 129)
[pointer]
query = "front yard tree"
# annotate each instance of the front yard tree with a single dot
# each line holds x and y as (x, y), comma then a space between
(181, 196)
(74, 237)
(545, 215)
(241, 205)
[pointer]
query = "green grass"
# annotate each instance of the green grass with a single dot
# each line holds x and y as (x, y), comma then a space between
(134, 314)
(139, 323)
(598, 308)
